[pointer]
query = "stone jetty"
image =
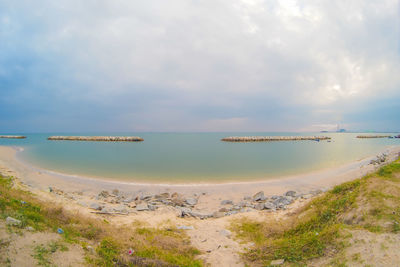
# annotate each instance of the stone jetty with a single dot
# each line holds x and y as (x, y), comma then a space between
(273, 138)
(98, 138)
(13, 136)
(373, 136)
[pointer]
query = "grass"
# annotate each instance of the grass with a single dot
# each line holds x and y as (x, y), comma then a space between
(163, 246)
(319, 229)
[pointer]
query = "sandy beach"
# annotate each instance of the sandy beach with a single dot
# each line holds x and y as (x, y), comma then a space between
(120, 201)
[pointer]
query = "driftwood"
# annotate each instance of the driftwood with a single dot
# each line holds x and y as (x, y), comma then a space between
(98, 138)
(13, 136)
(272, 138)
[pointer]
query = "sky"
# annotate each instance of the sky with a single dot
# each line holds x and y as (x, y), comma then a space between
(191, 65)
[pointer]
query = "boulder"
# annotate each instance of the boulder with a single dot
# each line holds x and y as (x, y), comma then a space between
(12, 221)
(259, 196)
(142, 206)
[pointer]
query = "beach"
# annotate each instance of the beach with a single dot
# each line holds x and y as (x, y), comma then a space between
(122, 203)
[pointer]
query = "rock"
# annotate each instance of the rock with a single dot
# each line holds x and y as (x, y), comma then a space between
(175, 195)
(153, 207)
(121, 209)
(223, 210)
(107, 209)
(269, 206)
(162, 196)
(146, 197)
(104, 194)
(142, 206)
(12, 221)
(91, 250)
(259, 206)
(226, 233)
(274, 197)
(290, 193)
(277, 262)
(50, 189)
(184, 211)
(236, 207)
(218, 214)
(184, 227)
(232, 212)
(200, 215)
(115, 192)
(95, 206)
(307, 196)
(177, 201)
(191, 201)
(247, 198)
(29, 228)
(259, 196)
(226, 202)
(316, 192)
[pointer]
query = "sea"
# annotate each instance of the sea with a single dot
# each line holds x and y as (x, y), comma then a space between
(194, 157)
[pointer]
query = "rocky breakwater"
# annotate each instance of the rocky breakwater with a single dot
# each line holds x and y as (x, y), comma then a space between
(373, 136)
(273, 138)
(98, 138)
(13, 136)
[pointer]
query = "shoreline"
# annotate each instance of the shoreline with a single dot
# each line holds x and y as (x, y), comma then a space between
(339, 169)
(322, 179)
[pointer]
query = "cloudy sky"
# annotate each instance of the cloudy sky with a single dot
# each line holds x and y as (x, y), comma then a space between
(191, 65)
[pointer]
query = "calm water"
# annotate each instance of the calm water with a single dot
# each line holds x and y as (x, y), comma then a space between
(195, 157)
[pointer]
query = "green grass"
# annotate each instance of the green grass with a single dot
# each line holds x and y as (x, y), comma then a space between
(365, 203)
(163, 245)
(42, 253)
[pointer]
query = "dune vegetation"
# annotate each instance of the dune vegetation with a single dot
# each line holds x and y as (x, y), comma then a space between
(323, 231)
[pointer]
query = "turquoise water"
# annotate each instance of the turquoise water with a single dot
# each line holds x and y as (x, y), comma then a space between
(194, 157)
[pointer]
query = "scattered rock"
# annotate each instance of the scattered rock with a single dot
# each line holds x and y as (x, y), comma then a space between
(95, 206)
(115, 192)
(104, 194)
(12, 221)
(218, 214)
(306, 196)
(191, 201)
(269, 206)
(226, 202)
(277, 262)
(184, 227)
(142, 206)
(259, 206)
(120, 209)
(259, 196)
(290, 193)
